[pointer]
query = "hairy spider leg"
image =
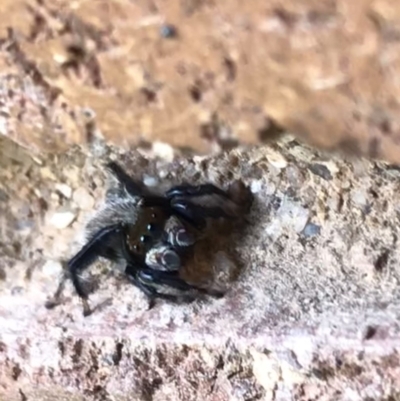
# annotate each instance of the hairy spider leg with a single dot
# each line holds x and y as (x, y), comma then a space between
(134, 274)
(132, 187)
(196, 214)
(188, 190)
(176, 202)
(179, 197)
(89, 253)
(149, 278)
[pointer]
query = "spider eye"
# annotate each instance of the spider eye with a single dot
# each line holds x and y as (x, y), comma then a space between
(151, 227)
(144, 239)
(154, 215)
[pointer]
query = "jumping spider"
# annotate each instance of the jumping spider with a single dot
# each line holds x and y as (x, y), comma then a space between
(150, 233)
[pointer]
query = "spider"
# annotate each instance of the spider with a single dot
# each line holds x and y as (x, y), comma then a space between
(150, 233)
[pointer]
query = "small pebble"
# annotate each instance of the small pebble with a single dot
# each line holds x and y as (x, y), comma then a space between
(163, 151)
(55, 198)
(47, 174)
(359, 197)
(64, 189)
(83, 199)
(321, 170)
(52, 268)
(256, 186)
(88, 113)
(72, 174)
(276, 159)
(311, 229)
(62, 220)
(290, 215)
(168, 31)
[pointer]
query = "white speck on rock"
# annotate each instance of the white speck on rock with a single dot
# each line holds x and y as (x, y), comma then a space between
(266, 370)
(64, 189)
(351, 395)
(164, 151)
(62, 219)
(3, 126)
(303, 348)
(291, 216)
(256, 186)
(359, 198)
(52, 268)
(276, 159)
(72, 174)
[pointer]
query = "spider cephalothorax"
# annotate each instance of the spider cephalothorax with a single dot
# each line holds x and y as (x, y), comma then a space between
(150, 233)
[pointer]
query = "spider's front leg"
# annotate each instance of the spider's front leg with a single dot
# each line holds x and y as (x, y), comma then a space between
(188, 190)
(151, 291)
(160, 284)
(98, 246)
(197, 203)
(126, 181)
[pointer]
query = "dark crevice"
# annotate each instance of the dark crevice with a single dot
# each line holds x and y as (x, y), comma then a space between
(77, 351)
(382, 261)
(118, 353)
(370, 332)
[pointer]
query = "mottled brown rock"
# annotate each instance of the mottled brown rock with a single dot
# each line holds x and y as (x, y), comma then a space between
(201, 74)
(313, 304)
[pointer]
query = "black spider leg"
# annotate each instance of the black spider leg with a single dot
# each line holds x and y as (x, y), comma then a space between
(132, 187)
(146, 277)
(134, 269)
(188, 190)
(55, 300)
(134, 273)
(95, 248)
(196, 214)
(193, 213)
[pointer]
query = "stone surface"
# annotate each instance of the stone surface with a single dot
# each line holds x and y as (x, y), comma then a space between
(201, 75)
(305, 317)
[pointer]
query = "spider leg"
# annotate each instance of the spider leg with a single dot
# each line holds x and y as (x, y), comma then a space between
(153, 294)
(137, 276)
(132, 187)
(195, 190)
(89, 253)
(184, 203)
(172, 279)
(196, 214)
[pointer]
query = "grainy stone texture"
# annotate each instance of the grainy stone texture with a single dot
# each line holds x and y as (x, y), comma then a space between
(312, 307)
(200, 74)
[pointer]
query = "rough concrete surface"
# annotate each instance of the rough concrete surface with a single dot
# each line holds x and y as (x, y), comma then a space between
(201, 74)
(312, 304)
